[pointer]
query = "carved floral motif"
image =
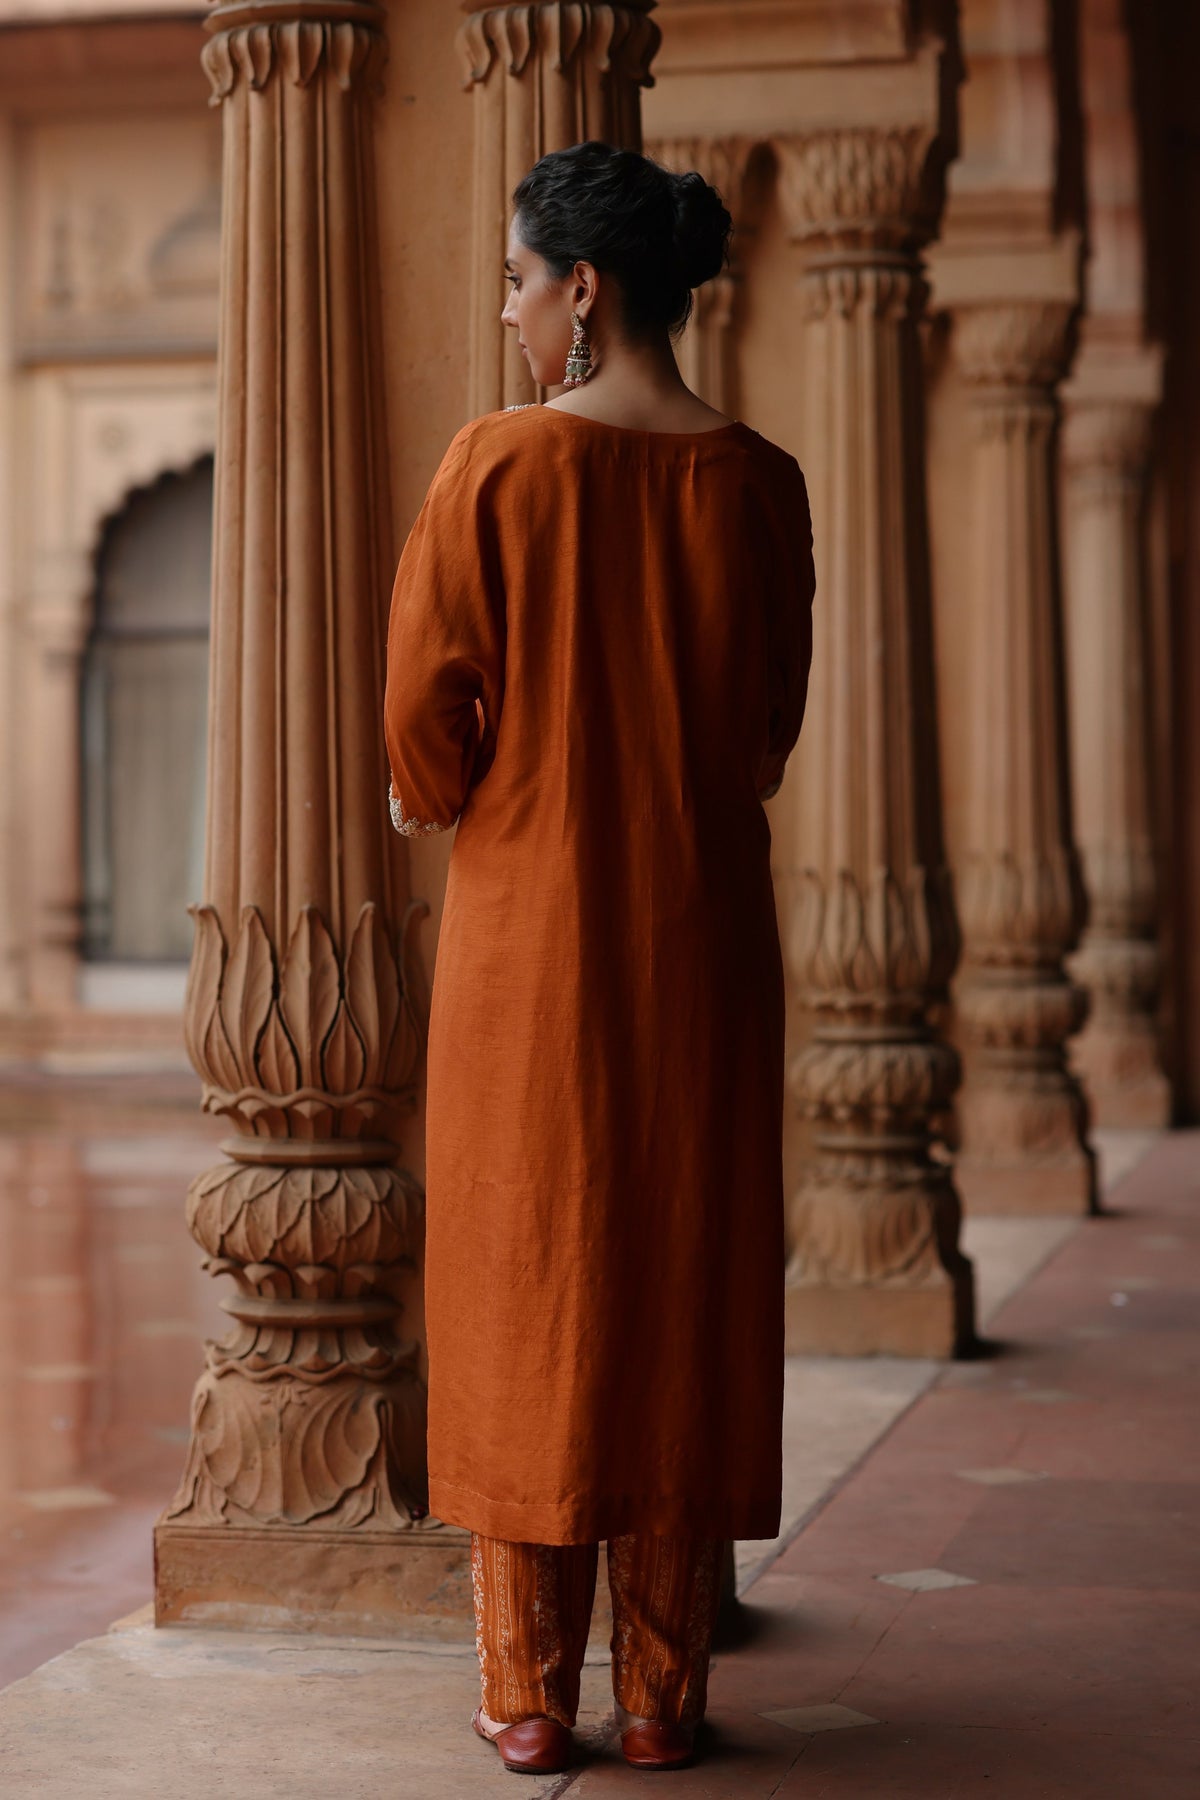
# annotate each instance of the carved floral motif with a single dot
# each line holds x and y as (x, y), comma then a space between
(1022, 909)
(619, 39)
(349, 50)
(869, 187)
(881, 945)
(312, 1408)
(300, 1216)
(282, 1452)
(1016, 344)
(855, 1224)
(315, 1048)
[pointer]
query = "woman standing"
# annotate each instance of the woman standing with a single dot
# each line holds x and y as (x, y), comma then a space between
(597, 663)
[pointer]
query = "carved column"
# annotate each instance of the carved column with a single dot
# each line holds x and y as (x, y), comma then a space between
(875, 1264)
(1022, 1115)
(305, 1471)
(1107, 443)
(544, 76)
(707, 347)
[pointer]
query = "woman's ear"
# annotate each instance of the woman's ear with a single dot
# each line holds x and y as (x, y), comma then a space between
(584, 286)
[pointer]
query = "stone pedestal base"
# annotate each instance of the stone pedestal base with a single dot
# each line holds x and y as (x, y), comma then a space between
(360, 1584)
(936, 1319)
(383, 1584)
(1028, 1188)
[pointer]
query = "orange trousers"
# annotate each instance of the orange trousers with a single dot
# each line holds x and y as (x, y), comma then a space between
(533, 1606)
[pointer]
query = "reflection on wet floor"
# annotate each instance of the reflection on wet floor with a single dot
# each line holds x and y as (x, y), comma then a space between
(103, 1311)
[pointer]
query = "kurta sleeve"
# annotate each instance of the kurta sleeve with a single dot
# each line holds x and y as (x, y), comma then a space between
(790, 632)
(445, 649)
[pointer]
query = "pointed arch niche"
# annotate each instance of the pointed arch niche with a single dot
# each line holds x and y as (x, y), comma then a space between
(143, 695)
(113, 560)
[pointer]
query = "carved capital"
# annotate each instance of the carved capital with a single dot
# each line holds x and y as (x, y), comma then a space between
(722, 161)
(1015, 344)
(294, 40)
(620, 39)
(1107, 443)
(864, 189)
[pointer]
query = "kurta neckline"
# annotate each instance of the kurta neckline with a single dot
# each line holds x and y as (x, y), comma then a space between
(639, 431)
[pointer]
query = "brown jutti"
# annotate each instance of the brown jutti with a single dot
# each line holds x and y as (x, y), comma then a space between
(597, 662)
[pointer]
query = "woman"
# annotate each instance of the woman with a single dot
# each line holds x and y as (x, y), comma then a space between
(597, 662)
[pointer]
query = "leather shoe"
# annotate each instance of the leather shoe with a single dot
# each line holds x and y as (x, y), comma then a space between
(657, 1745)
(531, 1746)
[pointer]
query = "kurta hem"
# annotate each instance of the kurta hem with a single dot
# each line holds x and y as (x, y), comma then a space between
(600, 1518)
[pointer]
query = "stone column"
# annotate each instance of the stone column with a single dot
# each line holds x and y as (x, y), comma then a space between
(544, 76)
(874, 940)
(1107, 442)
(707, 347)
(1023, 1119)
(304, 1487)
(57, 628)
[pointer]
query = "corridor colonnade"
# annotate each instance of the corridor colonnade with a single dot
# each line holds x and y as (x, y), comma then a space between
(932, 894)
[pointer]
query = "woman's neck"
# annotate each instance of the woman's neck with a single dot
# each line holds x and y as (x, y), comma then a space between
(639, 385)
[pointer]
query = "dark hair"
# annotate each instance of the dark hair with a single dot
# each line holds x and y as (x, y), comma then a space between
(658, 234)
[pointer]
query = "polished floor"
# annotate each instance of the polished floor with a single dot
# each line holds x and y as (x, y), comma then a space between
(103, 1308)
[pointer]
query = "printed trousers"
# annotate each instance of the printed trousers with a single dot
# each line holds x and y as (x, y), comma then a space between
(533, 1606)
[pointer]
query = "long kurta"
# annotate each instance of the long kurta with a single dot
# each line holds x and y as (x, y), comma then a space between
(598, 656)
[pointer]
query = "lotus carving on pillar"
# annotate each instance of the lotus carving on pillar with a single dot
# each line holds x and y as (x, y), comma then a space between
(319, 1047)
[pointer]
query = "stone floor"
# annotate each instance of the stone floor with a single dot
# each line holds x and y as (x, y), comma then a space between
(988, 1585)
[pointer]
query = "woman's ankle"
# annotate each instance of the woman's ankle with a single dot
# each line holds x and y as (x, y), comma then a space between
(627, 1720)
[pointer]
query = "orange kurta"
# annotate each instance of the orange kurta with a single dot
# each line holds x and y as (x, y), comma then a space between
(598, 655)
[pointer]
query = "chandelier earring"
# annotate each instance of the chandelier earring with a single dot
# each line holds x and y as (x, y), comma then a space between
(579, 356)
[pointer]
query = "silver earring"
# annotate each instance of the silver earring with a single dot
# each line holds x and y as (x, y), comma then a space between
(579, 356)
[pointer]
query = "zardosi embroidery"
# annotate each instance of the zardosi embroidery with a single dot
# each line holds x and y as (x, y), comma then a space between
(411, 827)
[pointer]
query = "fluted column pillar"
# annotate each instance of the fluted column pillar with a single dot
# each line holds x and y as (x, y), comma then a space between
(543, 76)
(1107, 441)
(875, 1264)
(707, 349)
(1023, 1119)
(305, 1472)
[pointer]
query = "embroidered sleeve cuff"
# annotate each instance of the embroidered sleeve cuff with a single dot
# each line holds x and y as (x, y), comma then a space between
(411, 827)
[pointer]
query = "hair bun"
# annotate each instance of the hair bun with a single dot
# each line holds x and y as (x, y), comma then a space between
(702, 228)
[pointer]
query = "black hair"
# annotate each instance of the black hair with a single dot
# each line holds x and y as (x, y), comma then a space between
(657, 233)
